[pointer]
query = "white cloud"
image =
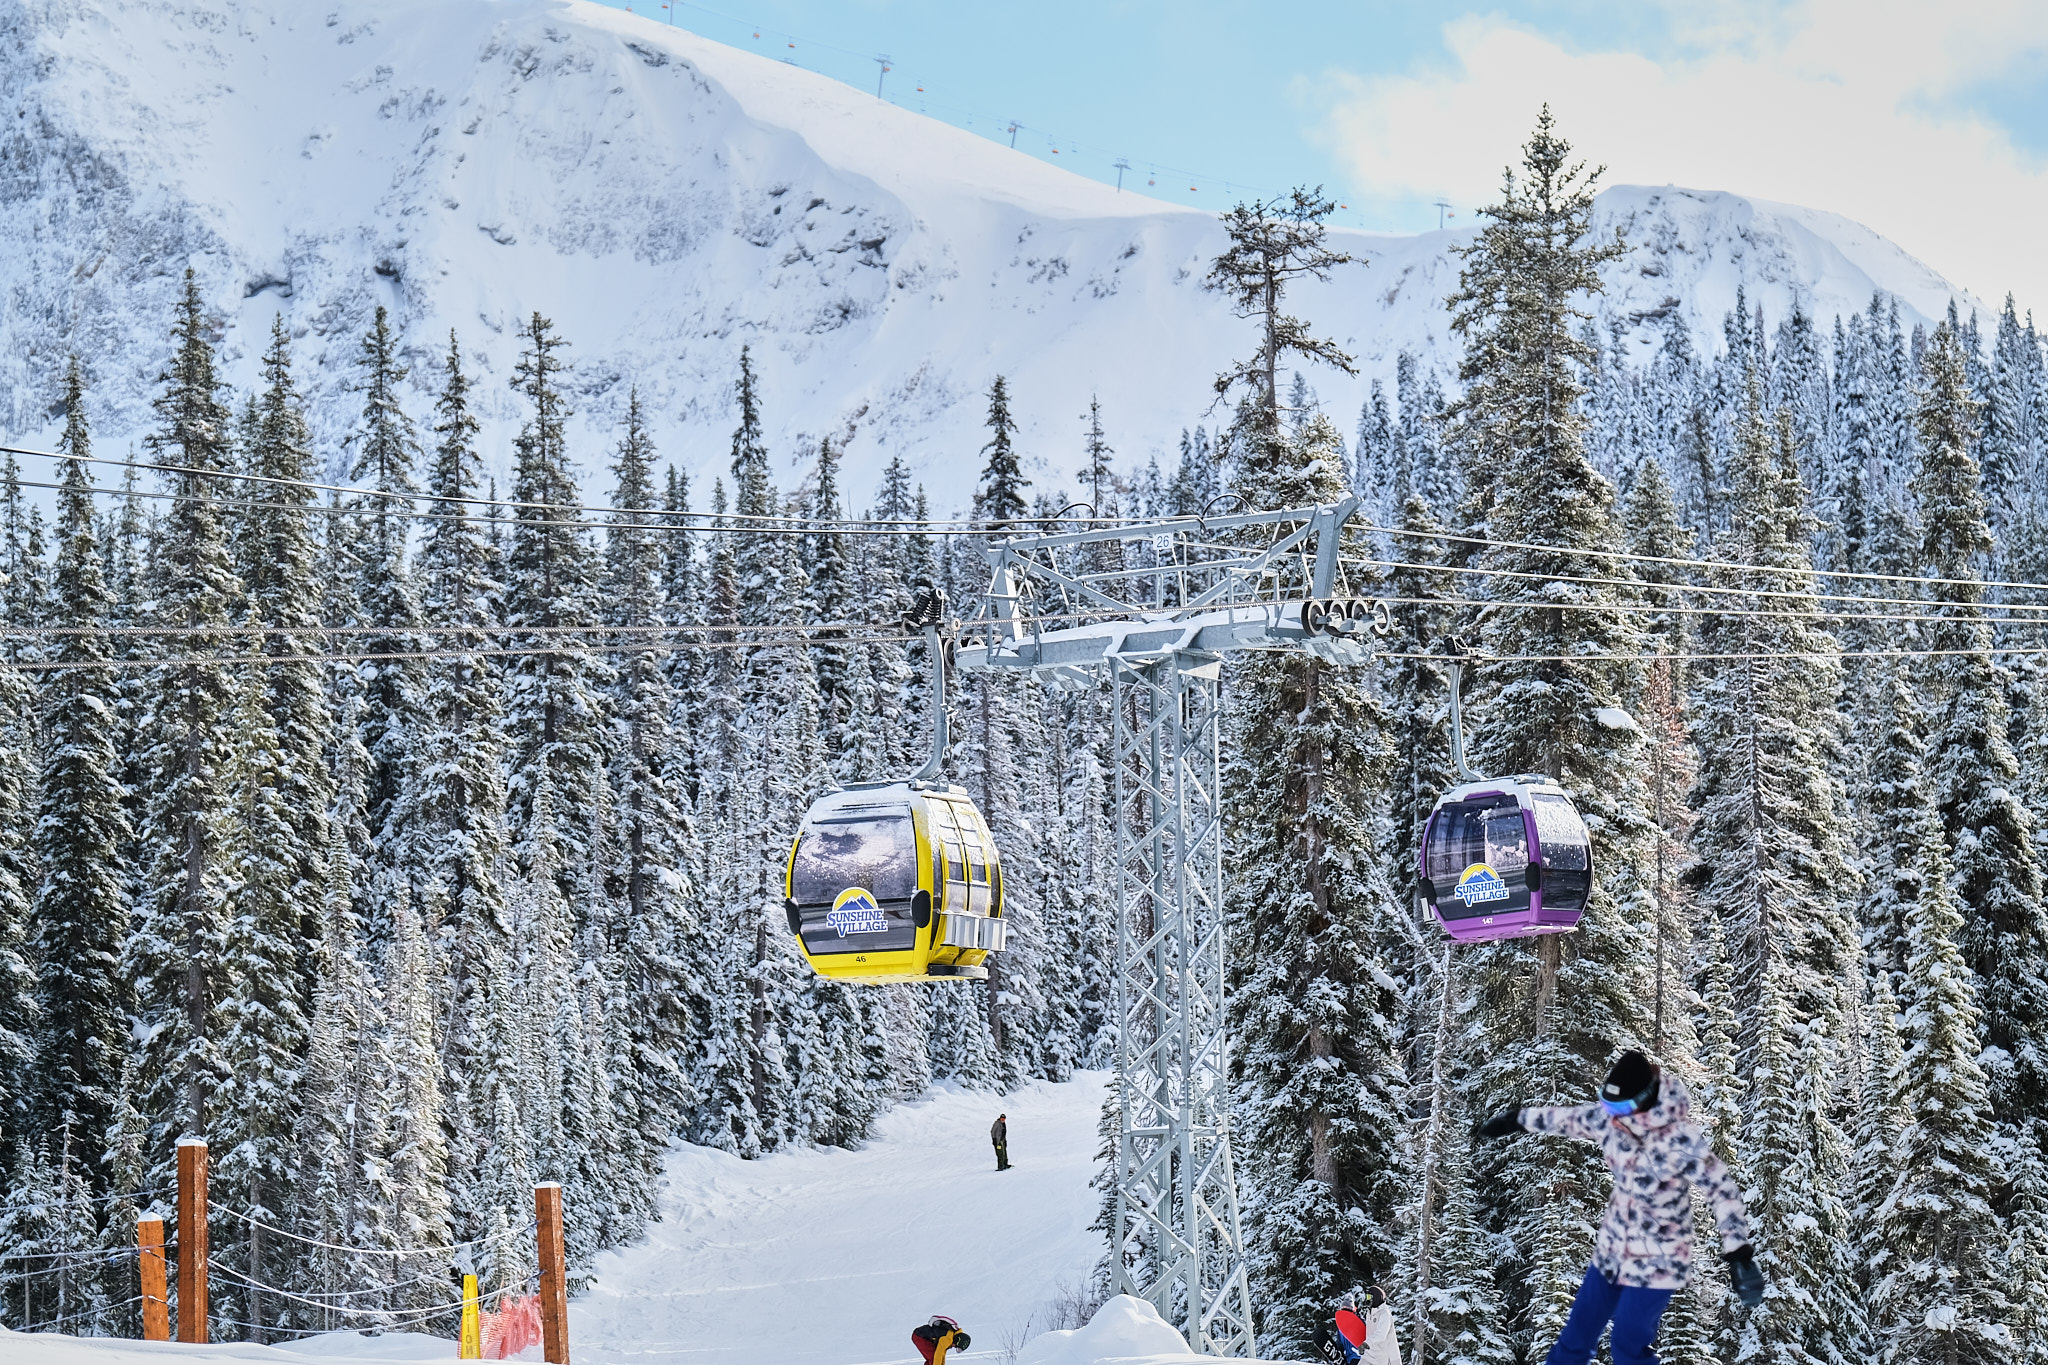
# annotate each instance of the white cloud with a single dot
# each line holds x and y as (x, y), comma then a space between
(1840, 105)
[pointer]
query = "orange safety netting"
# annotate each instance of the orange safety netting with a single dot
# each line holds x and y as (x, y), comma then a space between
(511, 1327)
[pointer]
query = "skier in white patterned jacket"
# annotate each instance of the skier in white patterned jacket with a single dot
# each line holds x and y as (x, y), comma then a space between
(1643, 1256)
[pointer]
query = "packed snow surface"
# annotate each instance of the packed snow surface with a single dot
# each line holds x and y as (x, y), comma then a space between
(817, 1257)
(1124, 1329)
(666, 200)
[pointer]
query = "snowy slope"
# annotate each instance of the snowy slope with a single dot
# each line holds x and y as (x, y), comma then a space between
(666, 200)
(814, 1257)
(823, 1258)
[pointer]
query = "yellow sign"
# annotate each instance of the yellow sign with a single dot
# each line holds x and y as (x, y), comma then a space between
(472, 1336)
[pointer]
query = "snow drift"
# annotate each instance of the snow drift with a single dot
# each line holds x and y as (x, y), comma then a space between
(667, 200)
(1124, 1329)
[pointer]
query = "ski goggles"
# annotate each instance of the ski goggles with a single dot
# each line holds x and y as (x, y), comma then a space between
(1621, 1109)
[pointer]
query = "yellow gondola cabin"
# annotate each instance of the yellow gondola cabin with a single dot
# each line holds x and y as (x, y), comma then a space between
(895, 881)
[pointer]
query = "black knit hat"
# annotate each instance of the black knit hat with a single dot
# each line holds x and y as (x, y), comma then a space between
(1632, 1077)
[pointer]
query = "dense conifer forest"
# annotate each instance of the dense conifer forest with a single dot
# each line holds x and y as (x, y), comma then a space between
(413, 840)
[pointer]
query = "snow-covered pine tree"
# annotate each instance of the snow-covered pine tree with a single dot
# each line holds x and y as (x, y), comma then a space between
(342, 1122)
(1878, 1123)
(1318, 1074)
(683, 604)
(667, 999)
(175, 957)
(1945, 1296)
(2028, 1255)
(775, 715)
(1811, 1314)
(1417, 696)
(2006, 452)
(452, 814)
(417, 1160)
(828, 566)
(999, 500)
(780, 695)
(1379, 472)
(81, 840)
(284, 598)
(555, 705)
(1098, 470)
(1770, 844)
(386, 449)
(2004, 933)
(265, 1036)
(1466, 1324)
(1548, 1019)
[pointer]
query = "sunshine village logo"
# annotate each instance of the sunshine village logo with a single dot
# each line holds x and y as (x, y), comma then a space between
(855, 912)
(1480, 885)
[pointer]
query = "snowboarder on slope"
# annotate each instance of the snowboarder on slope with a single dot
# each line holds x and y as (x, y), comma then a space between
(1643, 1255)
(933, 1339)
(999, 1134)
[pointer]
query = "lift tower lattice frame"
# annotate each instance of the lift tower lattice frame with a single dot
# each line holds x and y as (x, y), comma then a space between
(1158, 607)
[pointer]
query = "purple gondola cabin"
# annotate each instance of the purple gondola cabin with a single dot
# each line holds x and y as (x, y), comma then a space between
(1506, 857)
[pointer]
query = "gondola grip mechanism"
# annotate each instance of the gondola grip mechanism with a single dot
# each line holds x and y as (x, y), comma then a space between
(1455, 647)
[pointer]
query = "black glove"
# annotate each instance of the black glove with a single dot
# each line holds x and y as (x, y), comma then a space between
(1501, 1124)
(1749, 1281)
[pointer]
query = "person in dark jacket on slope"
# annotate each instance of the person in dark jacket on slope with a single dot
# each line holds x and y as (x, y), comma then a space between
(1643, 1256)
(999, 1134)
(935, 1338)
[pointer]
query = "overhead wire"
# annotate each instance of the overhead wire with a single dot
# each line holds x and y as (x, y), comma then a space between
(2006, 612)
(248, 1217)
(662, 520)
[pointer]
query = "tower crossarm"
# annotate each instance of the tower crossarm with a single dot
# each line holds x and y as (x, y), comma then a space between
(1060, 604)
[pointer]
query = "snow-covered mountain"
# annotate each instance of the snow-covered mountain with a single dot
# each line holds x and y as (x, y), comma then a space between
(666, 200)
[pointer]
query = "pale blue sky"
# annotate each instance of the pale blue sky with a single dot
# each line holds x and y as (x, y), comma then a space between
(1929, 122)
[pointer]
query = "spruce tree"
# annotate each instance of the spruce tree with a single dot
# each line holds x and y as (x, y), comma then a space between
(1811, 1311)
(81, 837)
(1945, 1296)
(827, 561)
(284, 597)
(1318, 1071)
(264, 1037)
(666, 996)
(341, 1136)
(1770, 841)
(2004, 933)
(455, 811)
(999, 500)
(1464, 1311)
(417, 1161)
(555, 709)
(386, 450)
(1551, 1012)
(176, 956)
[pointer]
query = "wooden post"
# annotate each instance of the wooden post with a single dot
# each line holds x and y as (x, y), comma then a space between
(156, 1304)
(192, 1246)
(554, 1274)
(472, 1347)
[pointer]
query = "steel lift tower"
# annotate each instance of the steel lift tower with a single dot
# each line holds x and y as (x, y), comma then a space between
(1157, 607)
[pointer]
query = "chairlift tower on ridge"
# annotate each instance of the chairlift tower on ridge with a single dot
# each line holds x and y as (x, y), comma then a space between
(1157, 607)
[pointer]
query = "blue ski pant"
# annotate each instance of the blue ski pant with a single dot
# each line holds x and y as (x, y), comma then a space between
(1634, 1312)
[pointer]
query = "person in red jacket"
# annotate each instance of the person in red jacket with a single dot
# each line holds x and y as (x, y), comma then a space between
(933, 1339)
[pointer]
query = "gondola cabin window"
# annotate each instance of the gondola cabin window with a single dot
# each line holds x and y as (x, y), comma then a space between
(875, 855)
(1567, 853)
(1479, 857)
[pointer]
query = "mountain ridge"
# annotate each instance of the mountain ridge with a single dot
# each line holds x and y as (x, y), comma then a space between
(666, 200)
